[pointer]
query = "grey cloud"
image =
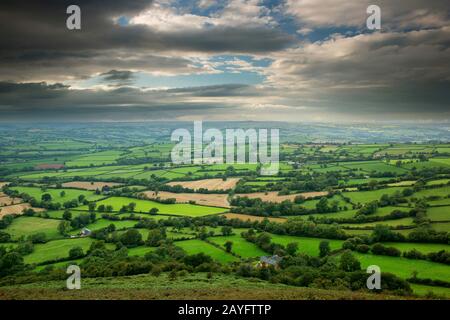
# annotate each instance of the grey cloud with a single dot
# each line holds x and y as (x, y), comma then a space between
(39, 43)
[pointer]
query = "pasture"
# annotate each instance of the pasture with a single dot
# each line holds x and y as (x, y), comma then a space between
(26, 226)
(196, 246)
(56, 249)
(56, 194)
(144, 206)
(240, 246)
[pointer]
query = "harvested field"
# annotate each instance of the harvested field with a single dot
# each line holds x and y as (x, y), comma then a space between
(246, 217)
(7, 201)
(216, 200)
(89, 185)
(16, 209)
(45, 166)
(210, 184)
(273, 196)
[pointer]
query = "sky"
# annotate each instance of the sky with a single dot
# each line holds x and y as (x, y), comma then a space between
(258, 60)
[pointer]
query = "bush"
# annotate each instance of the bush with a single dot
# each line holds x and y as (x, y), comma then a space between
(38, 238)
(363, 248)
(76, 252)
(348, 262)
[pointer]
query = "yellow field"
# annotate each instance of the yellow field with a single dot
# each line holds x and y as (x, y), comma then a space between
(216, 200)
(210, 184)
(89, 185)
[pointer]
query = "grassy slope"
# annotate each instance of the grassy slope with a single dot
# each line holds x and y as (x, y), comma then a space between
(189, 287)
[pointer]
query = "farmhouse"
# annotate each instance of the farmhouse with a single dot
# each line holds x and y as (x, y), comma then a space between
(266, 261)
(85, 232)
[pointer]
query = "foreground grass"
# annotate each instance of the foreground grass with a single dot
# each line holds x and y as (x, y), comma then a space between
(189, 287)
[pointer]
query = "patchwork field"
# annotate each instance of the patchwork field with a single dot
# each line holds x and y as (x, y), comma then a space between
(137, 168)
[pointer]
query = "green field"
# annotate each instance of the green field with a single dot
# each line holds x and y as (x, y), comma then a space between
(240, 246)
(70, 194)
(56, 249)
(26, 226)
(309, 246)
(343, 167)
(404, 267)
(103, 223)
(196, 246)
(368, 196)
(439, 213)
(144, 206)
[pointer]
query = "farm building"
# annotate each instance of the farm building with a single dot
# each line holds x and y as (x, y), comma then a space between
(85, 232)
(266, 261)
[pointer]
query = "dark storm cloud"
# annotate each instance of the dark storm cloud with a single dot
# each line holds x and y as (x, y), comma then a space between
(402, 70)
(117, 75)
(36, 36)
(57, 101)
(229, 90)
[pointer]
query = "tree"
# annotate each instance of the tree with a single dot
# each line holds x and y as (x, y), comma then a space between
(62, 194)
(228, 245)
(81, 198)
(67, 215)
(63, 226)
(38, 238)
(46, 197)
(4, 237)
(76, 252)
(101, 208)
(197, 259)
(109, 208)
(227, 230)
(154, 237)
(132, 206)
(324, 248)
(131, 237)
(92, 206)
(291, 248)
(322, 205)
(348, 262)
(153, 211)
